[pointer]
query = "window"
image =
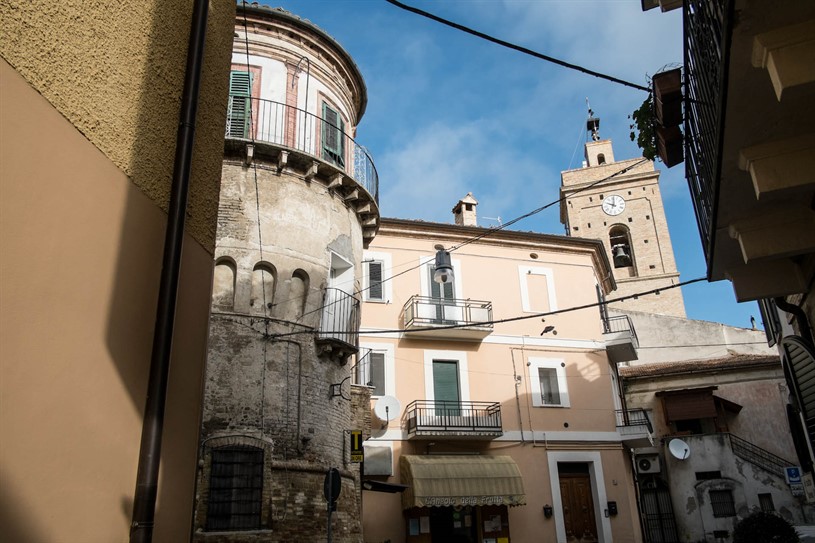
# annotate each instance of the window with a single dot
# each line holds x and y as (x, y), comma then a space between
(620, 242)
(235, 488)
(721, 501)
(238, 118)
(446, 376)
(375, 368)
(547, 380)
(537, 289)
(765, 501)
(373, 288)
(333, 136)
(708, 475)
(444, 297)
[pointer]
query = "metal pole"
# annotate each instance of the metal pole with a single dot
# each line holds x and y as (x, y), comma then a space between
(144, 501)
(330, 503)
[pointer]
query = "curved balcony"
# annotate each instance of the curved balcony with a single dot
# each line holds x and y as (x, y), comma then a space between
(317, 147)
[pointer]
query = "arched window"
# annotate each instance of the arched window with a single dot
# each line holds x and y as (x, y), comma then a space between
(223, 283)
(264, 279)
(601, 159)
(621, 252)
(235, 488)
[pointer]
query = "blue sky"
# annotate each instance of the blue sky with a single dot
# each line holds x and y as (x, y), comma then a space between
(449, 113)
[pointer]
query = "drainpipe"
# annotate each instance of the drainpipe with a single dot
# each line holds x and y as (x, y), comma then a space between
(144, 500)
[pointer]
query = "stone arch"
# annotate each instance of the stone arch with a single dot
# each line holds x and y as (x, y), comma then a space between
(601, 159)
(622, 251)
(298, 292)
(223, 283)
(264, 283)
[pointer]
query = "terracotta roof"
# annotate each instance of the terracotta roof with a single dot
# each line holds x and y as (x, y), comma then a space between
(731, 362)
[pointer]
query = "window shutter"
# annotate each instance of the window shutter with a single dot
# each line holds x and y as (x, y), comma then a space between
(237, 115)
(377, 373)
(445, 380)
(375, 290)
(437, 289)
(332, 135)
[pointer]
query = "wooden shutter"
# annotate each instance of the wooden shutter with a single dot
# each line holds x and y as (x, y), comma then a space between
(332, 134)
(375, 290)
(377, 373)
(237, 115)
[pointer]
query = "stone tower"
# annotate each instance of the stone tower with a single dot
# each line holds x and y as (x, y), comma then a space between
(626, 212)
(298, 203)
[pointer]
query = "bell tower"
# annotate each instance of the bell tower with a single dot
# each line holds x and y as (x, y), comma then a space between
(625, 211)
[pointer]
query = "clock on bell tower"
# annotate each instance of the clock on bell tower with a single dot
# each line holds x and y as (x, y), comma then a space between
(625, 211)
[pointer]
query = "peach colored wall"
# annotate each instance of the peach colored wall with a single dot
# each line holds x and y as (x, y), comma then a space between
(489, 271)
(79, 269)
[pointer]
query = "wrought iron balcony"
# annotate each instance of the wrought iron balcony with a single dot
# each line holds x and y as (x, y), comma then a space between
(620, 337)
(423, 315)
(439, 418)
(272, 122)
(705, 48)
(635, 427)
(338, 333)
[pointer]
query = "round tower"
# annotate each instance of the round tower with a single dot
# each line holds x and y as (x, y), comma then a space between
(298, 203)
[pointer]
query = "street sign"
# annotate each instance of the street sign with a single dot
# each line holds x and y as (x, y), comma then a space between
(793, 475)
(331, 488)
(357, 452)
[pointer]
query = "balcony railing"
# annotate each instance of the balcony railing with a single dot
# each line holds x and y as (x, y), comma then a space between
(339, 320)
(280, 124)
(427, 418)
(633, 419)
(423, 314)
(619, 323)
(706, 46)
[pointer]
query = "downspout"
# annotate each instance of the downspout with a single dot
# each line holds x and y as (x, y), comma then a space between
(144, 500)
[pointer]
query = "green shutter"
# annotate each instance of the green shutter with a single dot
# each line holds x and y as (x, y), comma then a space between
(238, 112)
(445, 387)
(332, 136)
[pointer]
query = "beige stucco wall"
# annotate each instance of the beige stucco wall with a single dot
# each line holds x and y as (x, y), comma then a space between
(88, 118)
(115, 70)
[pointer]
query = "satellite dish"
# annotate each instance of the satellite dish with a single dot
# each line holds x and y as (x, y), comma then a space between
(679, 449)
(387, 408)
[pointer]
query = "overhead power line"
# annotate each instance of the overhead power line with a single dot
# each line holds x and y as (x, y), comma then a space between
(518, 48)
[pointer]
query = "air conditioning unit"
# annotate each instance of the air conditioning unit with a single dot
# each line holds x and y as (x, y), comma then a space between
(648, 463)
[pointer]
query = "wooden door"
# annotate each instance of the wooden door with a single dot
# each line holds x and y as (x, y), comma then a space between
(578, 509)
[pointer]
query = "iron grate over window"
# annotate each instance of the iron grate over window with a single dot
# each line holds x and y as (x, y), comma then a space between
(721, 501)
(765, 501)
(235, 489)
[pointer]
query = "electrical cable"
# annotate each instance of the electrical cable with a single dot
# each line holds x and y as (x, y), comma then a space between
(518, 48)
(516, 318)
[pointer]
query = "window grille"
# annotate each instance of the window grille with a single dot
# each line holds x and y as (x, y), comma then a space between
(235, 489)
(765, 501)
(721, 501)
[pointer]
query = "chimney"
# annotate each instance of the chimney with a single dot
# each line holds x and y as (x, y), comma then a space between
(464, 212)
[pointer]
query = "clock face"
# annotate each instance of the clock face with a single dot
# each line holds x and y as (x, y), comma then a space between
(614, 204)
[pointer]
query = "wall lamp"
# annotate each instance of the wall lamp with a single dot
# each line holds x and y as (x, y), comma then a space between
(444, 267)
(548, 511)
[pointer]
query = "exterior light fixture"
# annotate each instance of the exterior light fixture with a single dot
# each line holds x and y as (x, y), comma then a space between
(547, 511)
(444, 267)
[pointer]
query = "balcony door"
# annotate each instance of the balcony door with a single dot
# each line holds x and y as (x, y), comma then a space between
(446, 388)
(443, 300)
(337, 307)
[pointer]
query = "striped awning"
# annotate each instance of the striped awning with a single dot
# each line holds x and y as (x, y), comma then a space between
(439, 481)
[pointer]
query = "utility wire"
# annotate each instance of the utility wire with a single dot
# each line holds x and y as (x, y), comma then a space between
(519, 48)
(509, 319)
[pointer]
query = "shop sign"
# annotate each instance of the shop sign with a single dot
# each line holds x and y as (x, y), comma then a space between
(435, 501)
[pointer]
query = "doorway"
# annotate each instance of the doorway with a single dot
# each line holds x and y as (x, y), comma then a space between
(578, 507)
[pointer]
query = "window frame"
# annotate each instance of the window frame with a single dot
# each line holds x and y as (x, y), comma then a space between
(389, 368)
(336, 154)
(523, 273)
(241, 93)
(460, 357)
(557, 364)
(729, 504)
(387, 287)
